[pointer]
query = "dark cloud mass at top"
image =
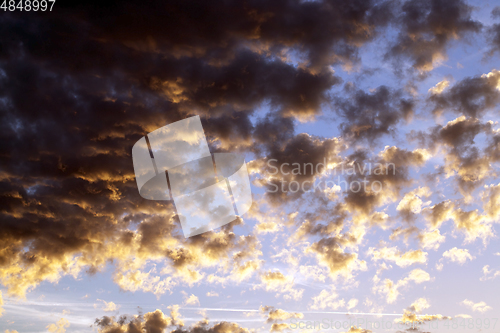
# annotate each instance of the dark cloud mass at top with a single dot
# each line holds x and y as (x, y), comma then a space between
(81, 84)
(427, 29)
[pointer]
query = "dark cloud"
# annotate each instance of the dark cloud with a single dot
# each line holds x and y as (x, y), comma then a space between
(389, 174)
(79, 89)
(368, 116)
(472, 96)
(158, 322)
(493, 34)
(324, 31)
(495, 12)
(300, 160)
(463, 158)
(151, 322)
(427, 29)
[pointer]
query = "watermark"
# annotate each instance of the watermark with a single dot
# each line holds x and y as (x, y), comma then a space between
(353, 177)
(381, 324)
(175, 163)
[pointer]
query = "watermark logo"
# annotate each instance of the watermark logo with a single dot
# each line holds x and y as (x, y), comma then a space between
(306, 178)
(175, 163)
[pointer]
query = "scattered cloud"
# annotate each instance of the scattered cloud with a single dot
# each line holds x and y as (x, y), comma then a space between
(479, 307)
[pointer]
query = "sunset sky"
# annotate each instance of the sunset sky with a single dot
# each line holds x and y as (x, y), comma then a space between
(408, 88)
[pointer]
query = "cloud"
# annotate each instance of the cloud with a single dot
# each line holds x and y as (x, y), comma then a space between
(427, 30)
(390, 289)
(438, 213)
(479, 307)
(278, 327)
(212, 294)
(191, 300)
(412, 203)
(431, 239)
(157, 322)
(393, 167)
(352, 303)
(276, 315)
(463, 316)
(419, 305)
(275, 281)
(412, 314)
(458, 255)
(439, 87)
(369, 116)
(401, 259)
(462, 159)
(59, 327)
(473, 225)
(327, 299)
(471, 96)
(108, 306)
(489, 274)
(354, 329)
(493, 35)
(154, 322)
(414, 318)
(297, 159)
(339, 263)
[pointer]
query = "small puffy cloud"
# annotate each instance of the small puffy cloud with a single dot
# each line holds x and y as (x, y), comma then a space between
(465, 316)
(156, 321)
(411, 313)
(191, 300)
(327, 299)
(418, 275)
(329, 254)
(419, 305)
(431, 239)
(370, 115)
(354, 329)
(473, 225)
(274, 315)
(439, 87)
(110, 306)
(412, 317)
(491, 201)
(489, 274)
(352, 303)
(278, 327)
(412, 202)
(458, 255)
(390, 289)
(212, 294)
(439, 213)
(107, 306)
(399, 258)
(281, 284)
(267, 227)
(59, 327)
(479, 307)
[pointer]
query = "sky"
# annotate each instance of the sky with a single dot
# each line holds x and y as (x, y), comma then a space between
(393, 103)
